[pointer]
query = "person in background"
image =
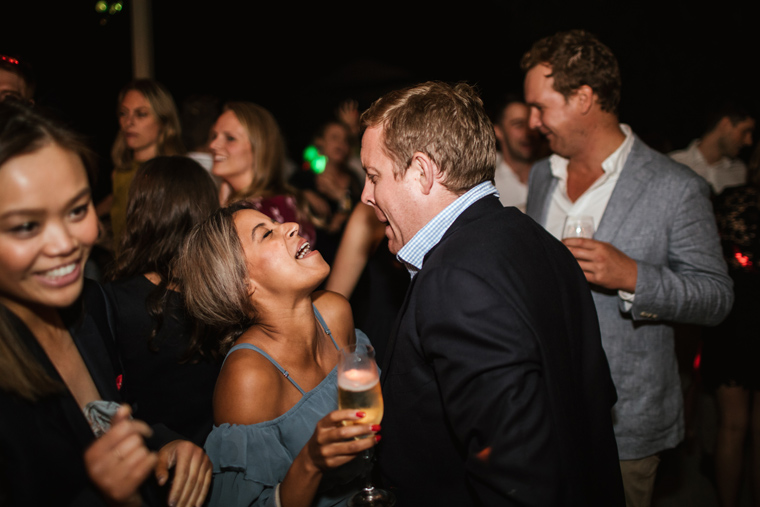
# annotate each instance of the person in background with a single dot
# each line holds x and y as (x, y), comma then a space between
(654, 259)
(714, 155)
(730, 350)
(518, 150)
(59, 388)
(169, 380)
(148, 127)
(333, 191)
(249, 158)
(16, 79)
(198, 115)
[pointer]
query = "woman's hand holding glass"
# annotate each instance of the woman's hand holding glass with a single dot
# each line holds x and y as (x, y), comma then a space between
(338, 439)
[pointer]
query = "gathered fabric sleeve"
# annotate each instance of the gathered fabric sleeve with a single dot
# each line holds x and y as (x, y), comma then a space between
(248, 464)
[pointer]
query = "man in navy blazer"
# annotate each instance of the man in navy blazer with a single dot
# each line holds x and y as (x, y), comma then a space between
(655, 257)
(497, 390)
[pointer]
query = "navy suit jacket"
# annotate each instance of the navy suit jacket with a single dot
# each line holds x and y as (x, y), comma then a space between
(496, 387)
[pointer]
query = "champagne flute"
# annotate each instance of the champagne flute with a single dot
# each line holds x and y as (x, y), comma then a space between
(578, 227)
(359, 389)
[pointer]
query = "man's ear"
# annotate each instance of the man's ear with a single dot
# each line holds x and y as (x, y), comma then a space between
(585, 98)
(425, 171)
(499, 134)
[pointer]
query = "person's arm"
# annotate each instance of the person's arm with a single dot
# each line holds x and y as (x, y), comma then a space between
(491, 380)
(691, 286)
(360, 238)
(247, 393)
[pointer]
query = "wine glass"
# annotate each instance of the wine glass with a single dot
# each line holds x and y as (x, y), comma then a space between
(578, 227)
(359, 389)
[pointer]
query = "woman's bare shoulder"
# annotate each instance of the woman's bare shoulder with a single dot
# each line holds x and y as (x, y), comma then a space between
(248, 389)
(336, 311)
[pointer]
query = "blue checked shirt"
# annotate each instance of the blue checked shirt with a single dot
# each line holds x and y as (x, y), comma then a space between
(413, 253)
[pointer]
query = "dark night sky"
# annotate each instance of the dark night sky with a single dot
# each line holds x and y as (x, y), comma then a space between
(301, 61)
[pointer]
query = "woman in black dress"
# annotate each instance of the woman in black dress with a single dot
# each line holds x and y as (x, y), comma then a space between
(168, 379)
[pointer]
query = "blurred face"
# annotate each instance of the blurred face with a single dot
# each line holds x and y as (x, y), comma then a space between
(233, 154)
(334, 143)
(550, 113)
(12, 85)
(47, 226)
(516, 140)
(278, 259)
(393, 198)
(737, 137)
(140, 125)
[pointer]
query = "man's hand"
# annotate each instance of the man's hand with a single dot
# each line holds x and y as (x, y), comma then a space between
(192, 475)
(603, 264)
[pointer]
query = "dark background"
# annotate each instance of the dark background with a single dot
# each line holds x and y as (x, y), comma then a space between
(301, 61)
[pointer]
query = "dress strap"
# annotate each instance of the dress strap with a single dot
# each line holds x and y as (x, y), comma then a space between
(324, 325)
(271, 360)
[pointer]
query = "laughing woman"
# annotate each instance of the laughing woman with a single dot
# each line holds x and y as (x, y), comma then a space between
(63, 438)
(276, 396)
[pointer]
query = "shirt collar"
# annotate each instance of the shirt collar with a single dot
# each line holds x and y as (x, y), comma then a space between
(611, 165)
(413, 253)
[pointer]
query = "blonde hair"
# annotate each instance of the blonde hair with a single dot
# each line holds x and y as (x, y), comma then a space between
(162, 104)
(447, 123)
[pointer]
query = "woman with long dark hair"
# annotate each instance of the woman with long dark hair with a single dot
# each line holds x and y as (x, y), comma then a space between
(171, 381)
(64, 440)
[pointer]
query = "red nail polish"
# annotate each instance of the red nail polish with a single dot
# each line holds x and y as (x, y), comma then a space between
(361, 414)
(377, 438)
(375, 428)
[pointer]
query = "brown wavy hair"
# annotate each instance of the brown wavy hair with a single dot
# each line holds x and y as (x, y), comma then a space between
(167, 198)
(578, 58)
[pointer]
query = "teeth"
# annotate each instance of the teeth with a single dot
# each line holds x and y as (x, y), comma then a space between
(305, 249)
(62, 271)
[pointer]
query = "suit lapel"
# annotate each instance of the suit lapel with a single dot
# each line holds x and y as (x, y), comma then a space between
(474, 211)
(630, 186)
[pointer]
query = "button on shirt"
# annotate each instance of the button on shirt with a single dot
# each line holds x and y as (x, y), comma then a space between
(413, 253)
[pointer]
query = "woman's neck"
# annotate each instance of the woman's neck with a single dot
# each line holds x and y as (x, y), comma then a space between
(146, 153)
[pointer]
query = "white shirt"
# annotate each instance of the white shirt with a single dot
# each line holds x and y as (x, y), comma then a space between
(512, 192)
(726, 172)
(594, 200)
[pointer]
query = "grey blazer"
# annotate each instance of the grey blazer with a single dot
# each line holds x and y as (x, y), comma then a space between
(660, 215)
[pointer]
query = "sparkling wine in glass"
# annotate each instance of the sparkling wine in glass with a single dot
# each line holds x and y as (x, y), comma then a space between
(359, 389)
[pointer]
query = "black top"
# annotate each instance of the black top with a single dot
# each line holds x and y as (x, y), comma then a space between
(161, 387)
(42, 443)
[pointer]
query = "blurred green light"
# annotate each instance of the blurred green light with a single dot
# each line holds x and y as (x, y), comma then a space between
(318, 164)
(101, 6)
(310, 153)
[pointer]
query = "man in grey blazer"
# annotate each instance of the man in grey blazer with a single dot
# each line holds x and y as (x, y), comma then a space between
(655, 257)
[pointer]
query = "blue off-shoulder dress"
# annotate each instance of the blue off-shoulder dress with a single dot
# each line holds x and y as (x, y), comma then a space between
(251, 460)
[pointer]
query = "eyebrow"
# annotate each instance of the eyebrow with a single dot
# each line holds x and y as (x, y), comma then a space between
(85, 192)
